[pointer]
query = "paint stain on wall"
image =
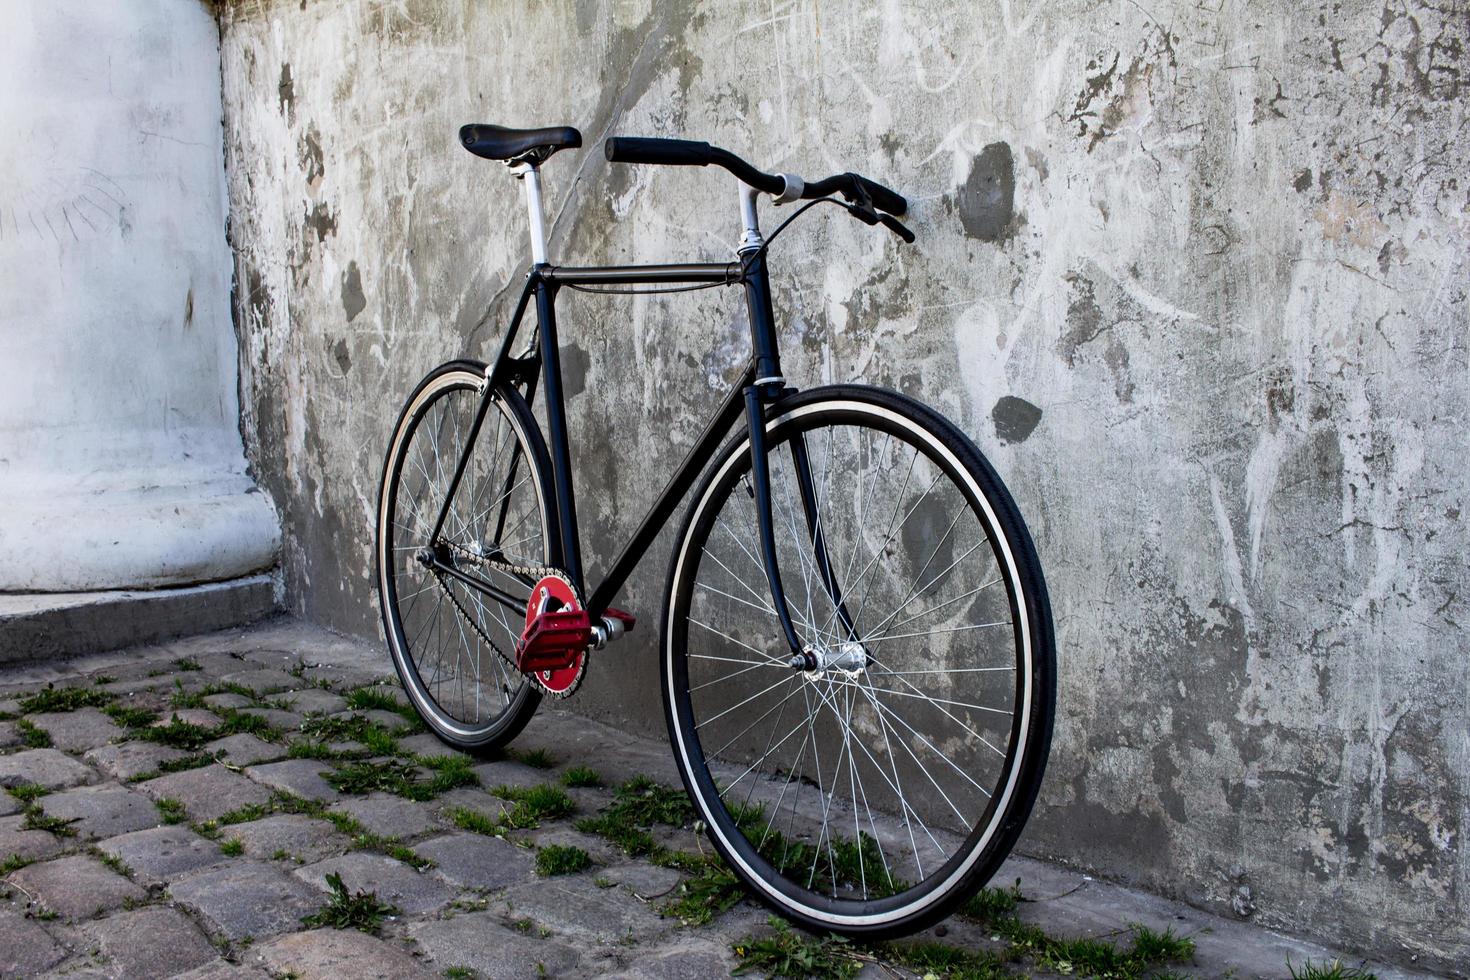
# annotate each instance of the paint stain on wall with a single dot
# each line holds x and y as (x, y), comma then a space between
(353, 301)
(987, 201)
(1015, 419)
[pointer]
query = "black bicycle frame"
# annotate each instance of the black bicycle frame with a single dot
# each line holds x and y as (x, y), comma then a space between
(760, 383)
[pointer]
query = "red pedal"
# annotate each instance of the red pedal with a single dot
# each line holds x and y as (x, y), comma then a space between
(553, 640)
(626, 618)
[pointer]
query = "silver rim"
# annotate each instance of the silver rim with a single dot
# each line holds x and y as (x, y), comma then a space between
(463, 686)
(883, 778)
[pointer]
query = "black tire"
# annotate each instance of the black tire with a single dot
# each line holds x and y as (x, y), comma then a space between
(858, 693)
(509, 444)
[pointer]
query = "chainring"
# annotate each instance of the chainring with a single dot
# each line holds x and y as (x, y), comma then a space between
(561, 682)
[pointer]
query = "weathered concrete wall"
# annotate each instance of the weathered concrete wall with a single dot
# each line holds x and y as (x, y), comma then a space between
(121, 463)
(1194, 275)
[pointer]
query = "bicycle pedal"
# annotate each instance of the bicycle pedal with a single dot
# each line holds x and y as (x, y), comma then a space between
(626, 618)
(553, 641)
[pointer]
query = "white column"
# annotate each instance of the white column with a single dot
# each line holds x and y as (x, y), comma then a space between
(121, 464)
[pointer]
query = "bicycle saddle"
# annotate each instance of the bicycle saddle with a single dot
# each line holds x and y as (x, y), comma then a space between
(517, 145)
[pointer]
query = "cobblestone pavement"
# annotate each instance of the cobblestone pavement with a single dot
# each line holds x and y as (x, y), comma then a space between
(223, 806)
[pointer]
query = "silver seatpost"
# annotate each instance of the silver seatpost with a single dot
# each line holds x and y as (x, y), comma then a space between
(531, 175)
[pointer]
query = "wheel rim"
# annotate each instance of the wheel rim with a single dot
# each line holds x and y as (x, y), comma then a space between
(437, 626)
(915, 779)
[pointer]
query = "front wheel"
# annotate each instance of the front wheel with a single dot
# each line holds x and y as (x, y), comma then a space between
(876, 781)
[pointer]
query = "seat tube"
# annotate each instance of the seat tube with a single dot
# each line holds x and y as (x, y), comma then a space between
(556, 430)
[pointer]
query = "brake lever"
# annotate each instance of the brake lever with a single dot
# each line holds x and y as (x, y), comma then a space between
(897, 227)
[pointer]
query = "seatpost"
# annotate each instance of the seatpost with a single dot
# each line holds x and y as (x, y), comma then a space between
(531, 175)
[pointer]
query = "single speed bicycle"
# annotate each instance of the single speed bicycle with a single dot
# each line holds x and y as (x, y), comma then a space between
(856, 653)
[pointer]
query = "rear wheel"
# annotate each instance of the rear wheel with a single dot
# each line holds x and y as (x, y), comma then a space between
(876, 785)
(450, 642)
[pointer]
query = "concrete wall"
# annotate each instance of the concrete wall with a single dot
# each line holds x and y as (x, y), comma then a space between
(1194, 275)
(121, 462)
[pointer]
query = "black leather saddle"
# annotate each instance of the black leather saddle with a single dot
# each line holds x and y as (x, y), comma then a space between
(517, 145)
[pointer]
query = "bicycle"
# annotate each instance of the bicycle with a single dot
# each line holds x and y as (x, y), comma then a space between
(856, 653)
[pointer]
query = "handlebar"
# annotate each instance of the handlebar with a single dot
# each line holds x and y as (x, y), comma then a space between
(690, 153)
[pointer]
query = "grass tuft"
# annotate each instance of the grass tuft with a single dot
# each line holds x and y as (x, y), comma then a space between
(712, 891)
(558, 859)
(64, 699)
(171, 810)
(130, 717)
(1334, 970)
(793, 954)
(179, 734)
(187, 664)
(581, 776)
(532, 805)
(233, 847)
(36, 819)
(361, 911)
(536, 758)
(474, 821)
(31, 736)
(27, 793)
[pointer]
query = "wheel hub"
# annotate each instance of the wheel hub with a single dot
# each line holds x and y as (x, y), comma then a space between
(849, 659)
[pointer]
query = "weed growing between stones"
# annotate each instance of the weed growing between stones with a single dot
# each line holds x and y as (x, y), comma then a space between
(36, 819)
(559, 859)
(64, 699)
(446, 772)
(713, 890)
(472, 820)
(244, 814)
(170, 810)
(535, 758)
(790, 954)
(1328, 971)
(378, 698)
(187, 664)
(31, 736)
(373, 737)
(130, 717)
(178, 734)
(27, 793)
(639, 804)
(13, 863)
(233, 847)
(361, 911)
(112, 861)
(532, 805)
(581, 776)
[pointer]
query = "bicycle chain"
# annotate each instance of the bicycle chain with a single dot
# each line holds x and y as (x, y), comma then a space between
(536, 571)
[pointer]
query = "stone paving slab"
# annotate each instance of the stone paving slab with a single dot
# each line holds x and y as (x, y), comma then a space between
(224, 970)
(427, 743)
(304, 839)
(575, 909)
(247, 899)
(102, 811)
(479, 941)
(244, 749)
(315, 701)
(693, 957)
(8, 805)
(148, 943)
(77, 731)
(26, 949)
(477, 861)
(126, 760)
(9, 735)
(158, 855)
(50, 768)
(29, 845)
(207, 793)
(387, 815)
(494, 774)
(76, 887)
(299, 777)
(264, 681)
(323, 954)
(393, 881)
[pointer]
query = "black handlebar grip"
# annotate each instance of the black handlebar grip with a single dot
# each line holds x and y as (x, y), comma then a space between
(645, 149)
(883, 199)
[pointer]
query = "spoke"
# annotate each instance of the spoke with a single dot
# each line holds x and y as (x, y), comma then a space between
(947, 629)
(759, 653)
(933, 700)
(768, 688)
(944, 711)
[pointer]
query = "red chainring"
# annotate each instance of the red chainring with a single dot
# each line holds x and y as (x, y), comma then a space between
(553, 648)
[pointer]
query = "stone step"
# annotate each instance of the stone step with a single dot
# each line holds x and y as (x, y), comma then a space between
(50, 625)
